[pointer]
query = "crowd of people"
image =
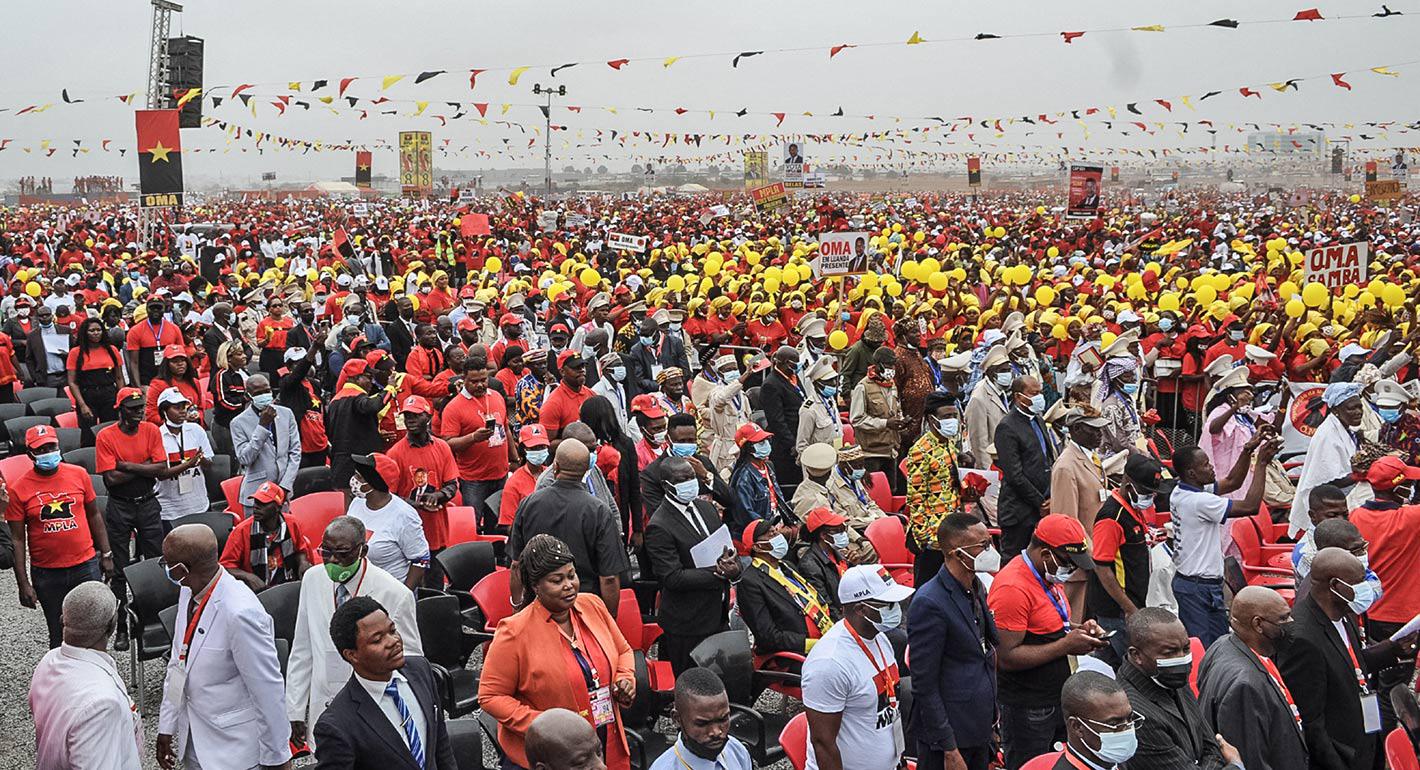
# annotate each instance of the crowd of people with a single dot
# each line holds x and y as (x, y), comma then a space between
(1129, 491)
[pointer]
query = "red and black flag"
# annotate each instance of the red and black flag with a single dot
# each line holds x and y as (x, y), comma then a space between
(159, 159)
(362, 168)
(973, 171)
(341, 243)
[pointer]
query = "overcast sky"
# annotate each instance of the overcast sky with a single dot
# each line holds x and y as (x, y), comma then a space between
(99, 48)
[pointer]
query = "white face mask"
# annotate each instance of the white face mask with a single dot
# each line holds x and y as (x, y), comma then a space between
(988, 561)
(840, 540)
(359, 488)
(889, 617)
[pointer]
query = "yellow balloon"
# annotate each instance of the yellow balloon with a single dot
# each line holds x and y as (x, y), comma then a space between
(712, 269)
(790, 278)
(869, 280)
(1394, 296)
(1366, 299)
(771, 285)
(1168, 301)
(493, 265)
(999, 232)
(928, 266)
(1181, 283)
(33, 289)
(1355, 198)
(590, 278)
(1052, 252)
(1286, 289)
(1295, 308)
(937, 281)
(1045, 295)
(1137, 291)
(909, 270)
(894, 289)
(1204, 295)
(1350, 290)
(838, 340)
(675, 283)
(1314, 294)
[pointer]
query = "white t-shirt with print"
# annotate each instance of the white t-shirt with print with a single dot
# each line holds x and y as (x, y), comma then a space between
(185, 494)
(838, 678)
(394, 534)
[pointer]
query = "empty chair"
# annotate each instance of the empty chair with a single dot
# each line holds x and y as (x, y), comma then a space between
(69, 438)
(50, 407)
(67, 419)
(728, 655)
(16, 427)
(282, 602)
(220, 471)
(82, 457)
(151, 592)
(100, 486)
(441, 636)
(465, 564)
(219, 522)
(11, 411)
(231, 495)
(466, 739)
(37, 393)
(316, 510)
(492, 596)
(310, 480)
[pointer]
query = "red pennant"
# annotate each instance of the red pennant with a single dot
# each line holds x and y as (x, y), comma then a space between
(240, 89)
(780, 116)
(1310, 14)
(1070, 36)
(617, 64)
(482, 108)
(279, 106)
(473, 78)
(1249, 92)
(834, 51)
(574, 109)
(345, 83)
(1336, 79)
(1164, 104)
(680, 110)
(380, 100)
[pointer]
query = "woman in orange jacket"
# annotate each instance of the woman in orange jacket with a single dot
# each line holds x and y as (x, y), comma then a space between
(562, 650)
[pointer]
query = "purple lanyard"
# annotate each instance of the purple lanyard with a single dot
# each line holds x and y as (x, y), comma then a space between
(1049, 593)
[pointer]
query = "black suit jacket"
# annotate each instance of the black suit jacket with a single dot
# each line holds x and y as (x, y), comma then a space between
(668, 351)
(694, 600)
(780, 401)
(355, 734)
(401, 341)
(1318, 671)
(1174, 735)
(38, 359)
(1025, 470)
(771, 614)
(653, 486)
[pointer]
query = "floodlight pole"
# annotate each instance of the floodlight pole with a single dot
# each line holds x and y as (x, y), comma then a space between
(547, 132)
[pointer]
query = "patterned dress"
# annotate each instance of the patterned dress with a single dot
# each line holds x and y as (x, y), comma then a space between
(914, 384)
(933, 488)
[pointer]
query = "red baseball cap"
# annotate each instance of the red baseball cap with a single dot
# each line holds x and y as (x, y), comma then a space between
(126, 393)
(174, 351)
(418, 405)
(469, 291)
(570, 358)
(354, 368)
(533, 435)
(269, 492)
(40, 435)
(510, 319)
(823, 517)
(467, 323)
(1389, 471)
(1067, 535)
(381, 465)
(647, 406)
(751, 433)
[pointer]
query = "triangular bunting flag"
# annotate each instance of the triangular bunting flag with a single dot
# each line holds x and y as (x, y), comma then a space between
(390, 80)
(617, 64)
(423, 76)
(515, 74)
(670, 60)
(1310, 14)
(1071, 36)
(744, 55)
(834, 51)
(1336, 80)
(345, 83)
(915, 39)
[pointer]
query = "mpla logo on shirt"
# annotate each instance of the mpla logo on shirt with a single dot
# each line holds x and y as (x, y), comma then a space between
(57, 512)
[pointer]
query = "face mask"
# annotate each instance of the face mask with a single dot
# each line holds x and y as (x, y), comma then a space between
(1285, 633)
(949, 426)
(648, 341)
(259, 403)
(1365, 596)
(731, 376)
(1165, 324)
(175, 427)
(1115, 748)
(537, 457)
(857, 474)
(682, 450)
(1003, 379)
(685, 491)
(358, 488)
(840, 540)
(675, 327)
(1235, 336)
(23, 312)
(829, 391)
(618, 373)
(591, 461)
(341, 572)
(47, 461)
(1037, 403)
(168, 572)
(778, 547)
(1129, 388)
(1143, 501)
(761, 450)
(988, 561)
(890, 617)
(1173, 672)
(1062, 573)
(658, 438)
(888, 375)
(1389, 415)
(844, 316)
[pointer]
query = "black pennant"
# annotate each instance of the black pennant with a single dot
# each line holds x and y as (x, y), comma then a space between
(743, 112)
(246, 98)
(558, 69)
(318, 85)
(1209, 95)
(65, 93)
(352, 100)
(838, 114)
(1130, 106)
(1385, 11)
(545, 112)
(216, 102)
(1229, 23)
(987, 36)
(423, 76)
(744, 55)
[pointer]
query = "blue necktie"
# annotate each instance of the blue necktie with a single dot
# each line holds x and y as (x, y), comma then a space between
(1039, 436)
(407, 722)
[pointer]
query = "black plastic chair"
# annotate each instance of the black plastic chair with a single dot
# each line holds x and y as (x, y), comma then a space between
(37, 393)
(50, 407)
(466, 739)
(103, 425)
(220, 471)
(12, 410)
(283, 604)
(729, 655)
(15, 427)
(100, 486)
(69, 438)
(219, 522)
(644, 743)
(310, 480)
(489, 725)
(101, 503)
(151, 593)
(441, 636)
(83, 457)
(464, 564)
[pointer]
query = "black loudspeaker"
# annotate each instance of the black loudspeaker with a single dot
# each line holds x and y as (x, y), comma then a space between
(184, 73)
(1338, 157)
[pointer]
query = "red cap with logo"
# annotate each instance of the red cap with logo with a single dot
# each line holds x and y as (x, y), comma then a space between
(533, 435)
(1389, 472)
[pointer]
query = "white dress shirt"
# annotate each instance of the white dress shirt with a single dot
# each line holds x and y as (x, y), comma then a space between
(376, 690)
(84, 719)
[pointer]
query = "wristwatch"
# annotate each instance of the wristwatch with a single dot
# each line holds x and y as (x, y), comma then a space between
(106, 555)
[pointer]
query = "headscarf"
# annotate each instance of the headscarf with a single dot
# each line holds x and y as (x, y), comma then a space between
(1338, 393)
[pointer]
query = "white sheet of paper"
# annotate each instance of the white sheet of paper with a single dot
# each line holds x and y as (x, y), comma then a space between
(1407, 629)
(708, 551)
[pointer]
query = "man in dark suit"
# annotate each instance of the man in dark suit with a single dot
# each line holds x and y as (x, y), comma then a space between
(780, 397)
(387, 716)
(680, 432)
(695, 601)
(1240, 690)
(953, 642)
(1155, 676)
(1331, 676)
(400, 329)
(776, 602)
(1025, 451)
(47, 366)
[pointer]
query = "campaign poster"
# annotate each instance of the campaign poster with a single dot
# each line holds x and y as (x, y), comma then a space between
(769, 197)
(416, 163)
(1371, 171)
(842, 254)
(1339, 265)
(973, 171)
(1083, 201)
(756, 168)
(794, 164)
(363, 164)
(626, 242)
(1384, 190)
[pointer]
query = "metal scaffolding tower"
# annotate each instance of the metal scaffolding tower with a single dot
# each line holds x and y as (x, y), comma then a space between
(150, 220)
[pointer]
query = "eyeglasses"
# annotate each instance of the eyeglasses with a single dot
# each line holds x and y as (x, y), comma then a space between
(331, 554)
(1132, 723)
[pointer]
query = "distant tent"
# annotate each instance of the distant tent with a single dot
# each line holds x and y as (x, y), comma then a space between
(692, 188)
(334, 188)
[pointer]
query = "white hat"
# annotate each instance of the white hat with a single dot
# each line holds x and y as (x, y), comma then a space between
(1259, 354)
(870, 582)
(822, 369)
(819, 457)
(342, 280)
(994, 356)
(1352, 349)
(1389, 393)
(958, 362)
(171, 396)
(295, 354)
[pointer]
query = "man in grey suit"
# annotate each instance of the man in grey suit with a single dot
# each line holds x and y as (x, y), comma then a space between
(267, 442)
(1241, 691)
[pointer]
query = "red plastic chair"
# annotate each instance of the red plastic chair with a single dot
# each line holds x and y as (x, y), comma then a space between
(67, 420)
(1399, 753)
(1254, 560)
(491, 594)
(795, 740)
(1043, 762)
(232, 490)
(881, 492)
(463, 524)
(848, 434)
(1195, 646)
(889, 539)
(314, 511)
(640, 635)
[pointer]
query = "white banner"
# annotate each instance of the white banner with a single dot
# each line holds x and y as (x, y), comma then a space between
(710, 213)
(547, 220)
(841, 254)
(626, 242)
(1339, 265)
(1302, 421)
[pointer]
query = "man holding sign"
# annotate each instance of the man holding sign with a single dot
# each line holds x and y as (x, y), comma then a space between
(1337, 266)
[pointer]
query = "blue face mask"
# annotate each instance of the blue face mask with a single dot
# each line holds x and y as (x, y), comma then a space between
(857, 473)
(648, 341)
(1165, 324)
(537, 456)
(1389, 415)
(682, 450)
(1003, 379)
(829, 391)
(685, 491)
(262, 401)
(761, 450)
(618, 373)
(47, 461)
(1235, 336)
(845, 315)
(1037, 403)
(949, 426)
(731, 376)
(1129, 388)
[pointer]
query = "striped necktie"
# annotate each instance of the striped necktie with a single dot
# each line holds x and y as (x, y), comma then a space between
(406, 720)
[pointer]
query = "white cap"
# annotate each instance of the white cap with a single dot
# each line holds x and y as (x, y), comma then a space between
(171, 396)
(870, 582)
(295, 354)
(343, 279)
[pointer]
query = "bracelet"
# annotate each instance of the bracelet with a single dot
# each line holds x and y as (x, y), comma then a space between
(106, 555)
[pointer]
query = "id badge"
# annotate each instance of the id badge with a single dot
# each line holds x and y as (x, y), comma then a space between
(602, 713)
(399, 420)
(656, 370)
(1103, 495)
(1370, 712)
(175, 684)
(158, 356)
(184, 482)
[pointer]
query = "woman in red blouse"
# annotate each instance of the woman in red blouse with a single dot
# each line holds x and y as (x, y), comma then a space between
(271, 337)
(176, 371)
(95, 371)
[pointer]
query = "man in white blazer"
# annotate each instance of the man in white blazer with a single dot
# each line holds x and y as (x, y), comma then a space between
(315, 671)
(266, 440)
(222, 693)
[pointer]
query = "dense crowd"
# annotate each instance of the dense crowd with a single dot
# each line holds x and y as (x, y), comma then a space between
(987, 504)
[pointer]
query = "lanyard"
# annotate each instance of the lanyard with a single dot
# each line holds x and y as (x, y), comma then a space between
(588, 670)
(157, 338)
(1060, 607)
(803, 596)
(854, 486)
(1355, 664)
(888, 672)
(1271, 669)
(1137, 515)
(192, 625)
(354, 593)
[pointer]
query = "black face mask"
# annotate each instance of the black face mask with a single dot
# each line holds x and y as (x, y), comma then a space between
(1172, 677)
(699, 749)
(1282, 638)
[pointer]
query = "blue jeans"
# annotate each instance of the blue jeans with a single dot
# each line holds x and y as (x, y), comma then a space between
(1029, 731)
(475, 495)
(53, 584)
(1201, 608)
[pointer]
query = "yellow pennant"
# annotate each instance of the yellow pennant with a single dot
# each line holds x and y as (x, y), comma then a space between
(1387, 71)
(1149, 28)
(294, 85)
(391, 80)
(670, 60)
(515, 74)
(422, 106)
(915, 39)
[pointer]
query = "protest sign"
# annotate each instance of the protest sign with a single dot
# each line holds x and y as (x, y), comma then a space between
(1083, 200)
(360, 209)
(575, 220)
(1338, 265)
(769, 197)
(793, 165)
(1384, 190)
(710, 213)
(756, 168)
(626, 242)
(841, 254)
(547, 220)
(474, 224)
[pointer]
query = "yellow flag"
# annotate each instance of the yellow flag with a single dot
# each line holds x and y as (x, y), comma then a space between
(422, 106)
(515, 74)
(915, 39)
(1385, 71)
(1149, 28)
(294, 85)
(391, 80)
(1277, 86)
(1187, 102)
(670, 60)
(506, 108)
(327, 99)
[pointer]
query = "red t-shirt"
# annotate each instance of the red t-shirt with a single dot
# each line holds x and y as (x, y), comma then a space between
(1019, 604)
(277, 328)
(485, 460)
(146, 336)
(53, 509)
(519, 486)
(562, 408)
(426, 469)
(1394, 534)
(7, 359)
(195, 394)
(237, 553)
(1225, 347)
(104, 358)
(146, 446)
